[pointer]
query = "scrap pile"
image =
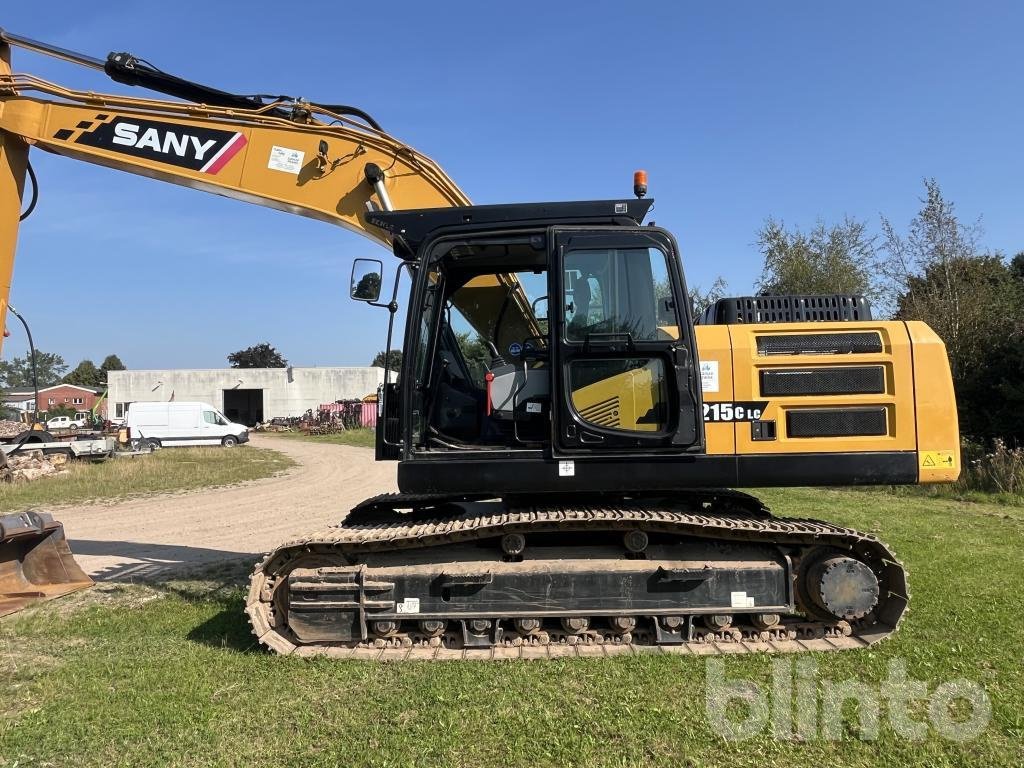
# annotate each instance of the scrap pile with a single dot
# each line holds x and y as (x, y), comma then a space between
(10, 428)
(31, 465)
(278, 424)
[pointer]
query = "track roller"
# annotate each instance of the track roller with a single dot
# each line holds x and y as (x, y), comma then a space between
(385, 628)
(432, 627)
(622, 625)
(716, 622)
(575, 625)
(526, 626)
(765, 621)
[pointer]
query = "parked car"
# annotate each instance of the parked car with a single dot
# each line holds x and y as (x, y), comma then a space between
(163, 424)
(66, 422)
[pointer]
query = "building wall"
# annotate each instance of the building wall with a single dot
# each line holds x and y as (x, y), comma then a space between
(66, 395)
(286, 391)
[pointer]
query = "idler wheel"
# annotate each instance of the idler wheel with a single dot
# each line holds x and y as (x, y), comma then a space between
(842, 586)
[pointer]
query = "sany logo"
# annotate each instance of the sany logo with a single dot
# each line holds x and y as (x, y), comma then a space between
(128, 134)
(201, 149)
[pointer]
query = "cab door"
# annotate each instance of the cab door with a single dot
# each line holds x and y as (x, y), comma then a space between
(625, 357)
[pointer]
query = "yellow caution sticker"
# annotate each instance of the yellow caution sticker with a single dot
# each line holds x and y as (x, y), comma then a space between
(937, 459)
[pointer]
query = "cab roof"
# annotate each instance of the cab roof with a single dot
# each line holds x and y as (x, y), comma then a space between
(410, 228)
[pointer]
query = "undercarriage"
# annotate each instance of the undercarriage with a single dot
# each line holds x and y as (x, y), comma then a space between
(424, 577)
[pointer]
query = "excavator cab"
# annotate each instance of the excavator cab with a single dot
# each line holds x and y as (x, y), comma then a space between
(568, 335)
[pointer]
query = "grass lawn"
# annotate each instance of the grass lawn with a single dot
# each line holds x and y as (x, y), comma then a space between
(171, 469)
(170, 675)
(362, 438)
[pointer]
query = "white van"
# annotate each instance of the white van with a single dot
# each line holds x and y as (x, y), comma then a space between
(159, 425)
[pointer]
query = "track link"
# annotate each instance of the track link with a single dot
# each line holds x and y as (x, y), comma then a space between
(396, 522)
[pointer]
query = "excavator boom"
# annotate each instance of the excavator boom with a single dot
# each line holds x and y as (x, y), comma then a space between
(331, 163)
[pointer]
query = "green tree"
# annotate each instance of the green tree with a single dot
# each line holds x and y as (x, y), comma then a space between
(476, 355)
(701, 299)
(391, 360)
(938, 272)
(17, 373)
(838, 258)
(86, 374)
(111, 363)
(368, 287)
(262, 355)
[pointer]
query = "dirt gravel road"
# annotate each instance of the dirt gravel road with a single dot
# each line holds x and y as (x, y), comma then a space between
(153, 536)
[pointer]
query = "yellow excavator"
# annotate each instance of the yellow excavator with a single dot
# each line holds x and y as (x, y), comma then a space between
(568, 435)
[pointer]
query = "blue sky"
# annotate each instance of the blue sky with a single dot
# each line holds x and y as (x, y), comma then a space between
(738, 111)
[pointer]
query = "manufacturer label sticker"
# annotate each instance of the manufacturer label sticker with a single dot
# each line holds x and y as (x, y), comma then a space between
(284, 159)
(740, 600)
(409, 605)
(533, 407)
(709, 375)
(566, 468)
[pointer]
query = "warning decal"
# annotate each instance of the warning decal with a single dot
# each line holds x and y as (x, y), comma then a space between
(937, 459)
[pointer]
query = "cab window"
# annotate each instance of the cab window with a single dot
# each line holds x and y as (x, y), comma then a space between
(617, 291)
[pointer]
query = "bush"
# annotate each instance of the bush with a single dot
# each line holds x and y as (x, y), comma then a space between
(999, 471)
(996, 474)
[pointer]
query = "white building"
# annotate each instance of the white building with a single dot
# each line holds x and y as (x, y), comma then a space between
(245, 395)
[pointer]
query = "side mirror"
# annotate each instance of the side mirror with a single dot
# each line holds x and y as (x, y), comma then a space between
(367, 275)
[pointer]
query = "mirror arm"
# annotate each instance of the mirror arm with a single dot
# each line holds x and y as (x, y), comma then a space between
(392, 307)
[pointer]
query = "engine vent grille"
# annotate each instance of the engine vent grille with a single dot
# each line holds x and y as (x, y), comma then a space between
(788, 309)
(838, 380)
(857, 343)
(837, 422)
(605, 413)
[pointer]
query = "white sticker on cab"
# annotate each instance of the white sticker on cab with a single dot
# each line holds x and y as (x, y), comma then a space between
(566, 468)
(709, 375)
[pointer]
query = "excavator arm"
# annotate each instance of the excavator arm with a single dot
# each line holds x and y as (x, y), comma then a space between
(288, 155)
(331, 163)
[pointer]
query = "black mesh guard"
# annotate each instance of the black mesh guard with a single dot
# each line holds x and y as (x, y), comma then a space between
(834, 380)
(856, 343)
(836, 422)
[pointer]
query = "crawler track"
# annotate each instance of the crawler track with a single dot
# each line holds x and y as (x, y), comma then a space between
(415, 524)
